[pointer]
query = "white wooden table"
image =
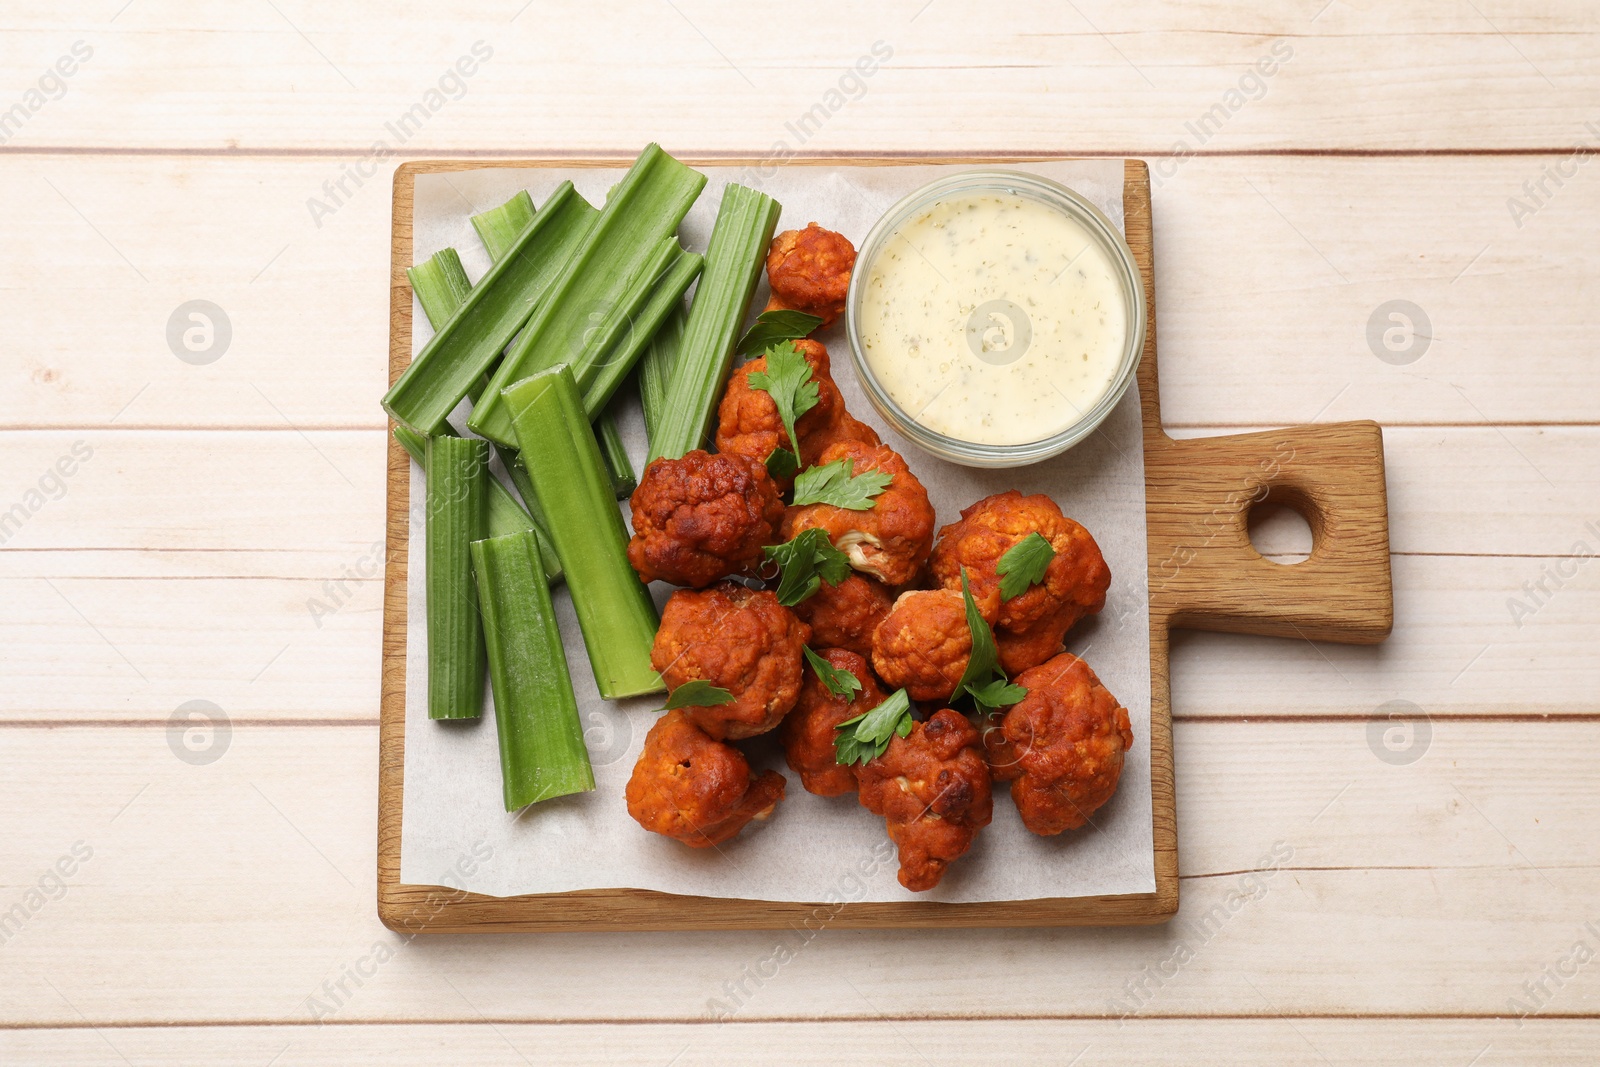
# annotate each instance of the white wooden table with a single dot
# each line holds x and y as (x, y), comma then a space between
(216, 535)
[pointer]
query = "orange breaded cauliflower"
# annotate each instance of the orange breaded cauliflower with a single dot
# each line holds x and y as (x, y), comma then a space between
(845, 615)
(808, 733)
(694, 788)
(932, 788)
(748, 422)
(702, 517)
(1001, 753)
(1030, 626)
(738, 639)
(1077, 577)
(890, 540)
(1066, 741)
(1018, 652)
(809, 270)
(923, 644)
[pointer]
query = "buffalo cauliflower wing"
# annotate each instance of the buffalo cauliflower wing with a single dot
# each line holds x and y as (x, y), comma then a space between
(932, 789)
(845, 615)
(923, 644)
(1074, 582)
(1030, 626)
(748, 422)
(808, 733)
(738, 639)
(1066, 741)
(1018, 652)
(891, 539)
(702, 517)
(809, 270)
(689, 786)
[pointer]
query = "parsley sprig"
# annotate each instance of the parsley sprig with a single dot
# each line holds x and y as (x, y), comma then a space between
(805, 563)
(983, 680)
(697, 693)
(837, 680)
(789, 382)
(866, 736)
(774, 328)
(1024, 564)
(837, 483)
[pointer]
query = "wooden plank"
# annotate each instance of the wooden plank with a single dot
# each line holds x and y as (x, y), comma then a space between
(1098, 76)
(1221, 1042)
(1274, 339)
(128, 648)
(126, 514)
(161, 504)
(231, 891)
(1456, 648)
(1313, 252)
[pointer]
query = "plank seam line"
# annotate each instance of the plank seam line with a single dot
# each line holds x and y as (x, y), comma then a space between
(1310, 718)
(851, 1020)
(716, 155)
(1247, 427)
(156, 551)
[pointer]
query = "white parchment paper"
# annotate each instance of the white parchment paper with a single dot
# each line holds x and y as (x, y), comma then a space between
(813, 849)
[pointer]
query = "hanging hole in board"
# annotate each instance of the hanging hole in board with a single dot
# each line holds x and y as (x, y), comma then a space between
(1280, 528)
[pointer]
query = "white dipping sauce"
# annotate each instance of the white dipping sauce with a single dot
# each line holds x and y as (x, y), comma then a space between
(993, 318)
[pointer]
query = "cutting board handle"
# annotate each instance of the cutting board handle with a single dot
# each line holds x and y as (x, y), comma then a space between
(1206, 575)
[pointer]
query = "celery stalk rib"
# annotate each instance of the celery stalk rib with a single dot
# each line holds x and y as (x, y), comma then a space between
(499, 227)
(542, 754)
(652, 304)
(624, 480)
(734, 255)
(641, 212)
(569, 478)
(457, 471)
(655, 369)
(498, 306)
(441, 284)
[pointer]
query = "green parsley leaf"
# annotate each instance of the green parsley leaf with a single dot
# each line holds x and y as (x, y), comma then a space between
(997, 693)
(776, 327)
(805, 563)
(866, 737)
(985, 660)
(782, 464)
(1024, 565)
(697, 693)
(837, 483)
(788, 381)
(841, 683)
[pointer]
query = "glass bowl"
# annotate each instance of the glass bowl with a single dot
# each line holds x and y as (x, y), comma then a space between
(1102, 232)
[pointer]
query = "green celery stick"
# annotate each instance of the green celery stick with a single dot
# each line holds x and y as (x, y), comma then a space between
(652, 306)
(542, 754)
(498, 306)
(734, 255)
(569, 478)
(458, 472)
(441, 284)
(655, 369)
(641, 213)
(499, 227)
(624, 480)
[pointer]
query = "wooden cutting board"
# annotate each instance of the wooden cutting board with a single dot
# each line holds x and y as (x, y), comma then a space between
(1204, 574)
